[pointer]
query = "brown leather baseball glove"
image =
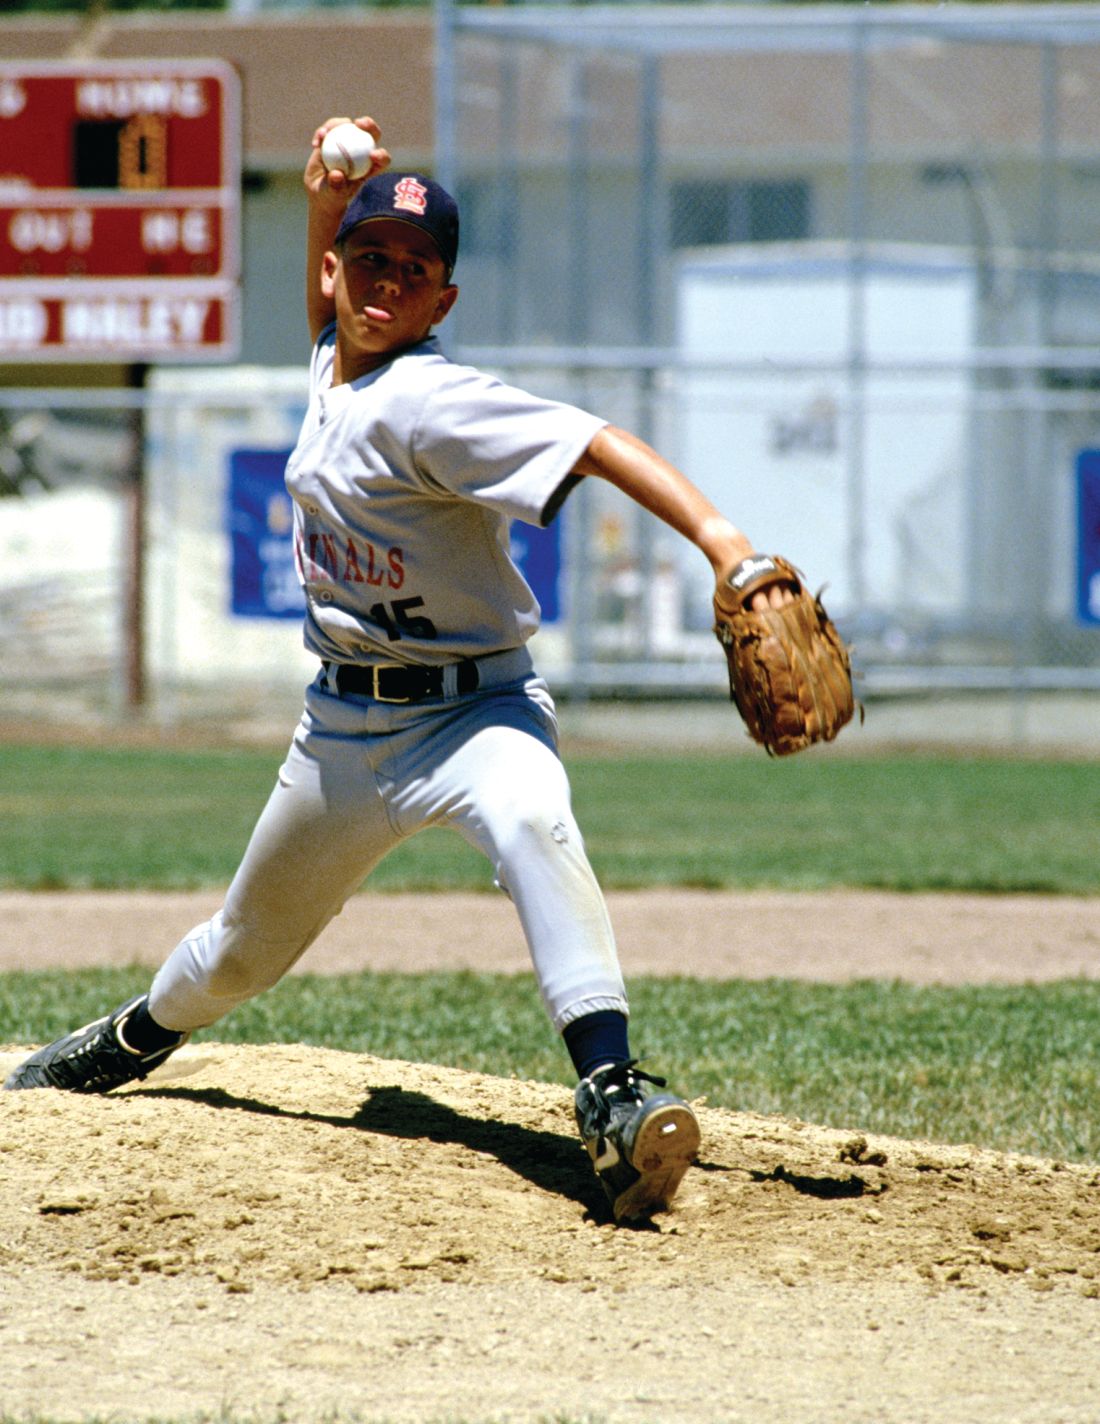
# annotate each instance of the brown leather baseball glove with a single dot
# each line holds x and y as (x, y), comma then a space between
(790, 673)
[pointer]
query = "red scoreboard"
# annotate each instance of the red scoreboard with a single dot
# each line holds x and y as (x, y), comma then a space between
(119, 211)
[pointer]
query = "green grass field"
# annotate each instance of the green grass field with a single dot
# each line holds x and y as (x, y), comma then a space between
(77, 818)
(1017, 1069)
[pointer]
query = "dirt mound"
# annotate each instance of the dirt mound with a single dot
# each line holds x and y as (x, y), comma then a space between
(308, 1232)
(294, 1165)
(296, 1236)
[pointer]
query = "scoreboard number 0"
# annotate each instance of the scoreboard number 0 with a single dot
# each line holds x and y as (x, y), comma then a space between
(131, 154)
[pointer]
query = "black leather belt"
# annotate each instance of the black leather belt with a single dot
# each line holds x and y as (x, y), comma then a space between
(398, 682)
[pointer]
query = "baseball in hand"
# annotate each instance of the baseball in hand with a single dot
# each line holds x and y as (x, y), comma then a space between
(348, 148)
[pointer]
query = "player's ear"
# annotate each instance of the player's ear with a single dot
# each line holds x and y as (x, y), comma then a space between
(330, 264)
(447, 298)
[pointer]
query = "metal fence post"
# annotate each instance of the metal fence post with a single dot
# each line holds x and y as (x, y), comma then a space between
(446, 114)
(582, 600)
(650, 233)
(857, 318)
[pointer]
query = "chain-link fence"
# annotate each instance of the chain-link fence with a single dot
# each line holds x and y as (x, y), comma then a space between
(837, 263)
(841, 265)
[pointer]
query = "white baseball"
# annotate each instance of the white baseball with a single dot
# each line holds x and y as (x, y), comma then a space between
(348, 148)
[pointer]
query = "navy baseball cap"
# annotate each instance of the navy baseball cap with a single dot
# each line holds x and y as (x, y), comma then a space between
(411, 198)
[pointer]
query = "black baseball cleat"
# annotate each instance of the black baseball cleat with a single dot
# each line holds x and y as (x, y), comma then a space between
(94, 1059)
(641, 1142)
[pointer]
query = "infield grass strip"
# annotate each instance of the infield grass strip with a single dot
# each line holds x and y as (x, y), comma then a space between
(139, 818)
(1011, 1068)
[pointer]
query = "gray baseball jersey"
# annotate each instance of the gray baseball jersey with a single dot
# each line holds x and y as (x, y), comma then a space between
(404, 484)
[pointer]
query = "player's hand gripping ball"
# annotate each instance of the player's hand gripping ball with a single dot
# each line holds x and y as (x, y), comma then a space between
(789, 670)
(349, 149)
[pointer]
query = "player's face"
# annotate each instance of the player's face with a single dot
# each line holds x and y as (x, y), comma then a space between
(389, 284)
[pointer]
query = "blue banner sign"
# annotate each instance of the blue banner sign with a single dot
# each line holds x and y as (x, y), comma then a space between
(259, 516)
(538, 554)
(1088, 537)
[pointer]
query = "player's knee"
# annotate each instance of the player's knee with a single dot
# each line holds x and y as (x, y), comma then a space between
(540, 833)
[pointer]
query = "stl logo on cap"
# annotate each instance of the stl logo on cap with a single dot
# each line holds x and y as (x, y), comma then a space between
(411, 195)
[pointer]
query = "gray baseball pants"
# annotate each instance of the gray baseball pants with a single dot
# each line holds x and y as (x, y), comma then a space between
(361, 777)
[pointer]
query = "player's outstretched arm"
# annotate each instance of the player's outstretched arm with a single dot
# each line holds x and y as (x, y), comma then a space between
(657, 485)
(329, 194)
(789, 670)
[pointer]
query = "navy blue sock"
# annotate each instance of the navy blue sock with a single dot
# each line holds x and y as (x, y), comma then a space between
(142, 1032)
(595, 1039)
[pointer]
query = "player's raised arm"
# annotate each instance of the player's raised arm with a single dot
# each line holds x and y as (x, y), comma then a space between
(329, 191)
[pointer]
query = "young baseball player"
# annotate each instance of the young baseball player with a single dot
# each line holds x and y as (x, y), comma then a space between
(426, 709)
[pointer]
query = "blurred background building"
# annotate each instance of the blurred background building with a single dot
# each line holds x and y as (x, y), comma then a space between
(837, 261)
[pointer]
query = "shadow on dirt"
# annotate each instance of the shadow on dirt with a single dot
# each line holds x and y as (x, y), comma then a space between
(824, 1188)
(550, 1161)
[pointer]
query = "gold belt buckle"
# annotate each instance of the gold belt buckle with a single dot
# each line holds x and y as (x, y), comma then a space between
(376, 668)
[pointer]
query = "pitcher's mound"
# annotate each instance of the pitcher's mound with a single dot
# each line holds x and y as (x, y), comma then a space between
(278, 1185)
